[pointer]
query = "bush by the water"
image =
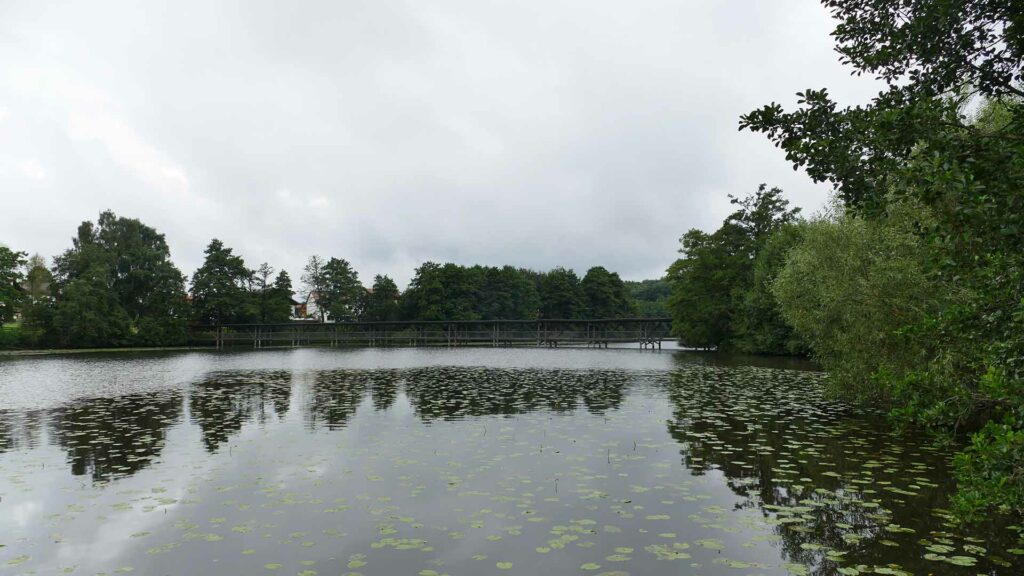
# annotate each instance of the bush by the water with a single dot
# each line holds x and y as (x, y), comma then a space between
(912, 293)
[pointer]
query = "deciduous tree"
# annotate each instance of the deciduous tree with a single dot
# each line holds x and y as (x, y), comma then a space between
(605, 294)
(711, 280)
(221, 288)
(11, 279)
(561, 295)
(382, 301)
(130, 260)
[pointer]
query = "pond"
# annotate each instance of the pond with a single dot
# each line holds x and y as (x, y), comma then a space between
(463, 462)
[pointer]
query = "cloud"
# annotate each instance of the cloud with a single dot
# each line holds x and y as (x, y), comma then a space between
(388, 133)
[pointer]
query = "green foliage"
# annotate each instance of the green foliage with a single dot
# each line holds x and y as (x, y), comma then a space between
(277, 305)
(561, 295)
(9, 337)
(453, 292)
(649, 297)
(424, 299)
(11, 278)
(506, 293)
(18, 336)
(702, 283)
(146, 283)
(116, 286)
(929, 48)
(711, 281)
(89, 315)
(382, 302)
(342, 296)
(314, 282)
(930, 54)
(272, 298)
(605, 294)
(36, 329)
(221, 288)
(759, 326)
(38, 279)
(938, 296)
(849, 287)
(989, 469)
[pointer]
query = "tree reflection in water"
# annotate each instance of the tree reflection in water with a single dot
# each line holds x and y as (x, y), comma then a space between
(818, 480)
(832, 484)
(20, 430)
(222, 402)
(453, 393)
(112, 437)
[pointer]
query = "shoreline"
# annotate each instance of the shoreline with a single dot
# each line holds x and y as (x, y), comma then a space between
(54, 351)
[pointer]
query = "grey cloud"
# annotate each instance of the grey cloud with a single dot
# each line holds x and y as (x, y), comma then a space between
(536, 134)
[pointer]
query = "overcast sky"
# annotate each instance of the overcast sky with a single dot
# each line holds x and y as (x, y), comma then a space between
(537, 134)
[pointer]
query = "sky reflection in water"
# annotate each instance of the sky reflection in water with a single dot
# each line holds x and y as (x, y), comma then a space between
(462, 462)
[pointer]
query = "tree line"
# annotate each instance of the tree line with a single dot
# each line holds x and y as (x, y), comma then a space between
(909, 289)
(117, 286)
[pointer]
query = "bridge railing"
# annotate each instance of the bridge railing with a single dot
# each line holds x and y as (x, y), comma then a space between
(545, 332)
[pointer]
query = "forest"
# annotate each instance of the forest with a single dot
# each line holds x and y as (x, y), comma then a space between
(117, 287)
(909, 288)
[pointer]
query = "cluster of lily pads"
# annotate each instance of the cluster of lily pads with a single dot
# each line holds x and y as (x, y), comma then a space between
(482, 470)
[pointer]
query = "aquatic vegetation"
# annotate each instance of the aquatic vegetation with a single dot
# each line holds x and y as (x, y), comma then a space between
(672, 465)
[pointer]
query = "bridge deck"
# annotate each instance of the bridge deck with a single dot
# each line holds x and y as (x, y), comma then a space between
(647, 332)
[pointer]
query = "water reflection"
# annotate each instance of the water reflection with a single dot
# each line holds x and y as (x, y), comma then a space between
(108, 438)
(221, 403)
(453, 393)
(832, 486)
(336, 395)
(20, 430)
(699, 466)
(384, 385)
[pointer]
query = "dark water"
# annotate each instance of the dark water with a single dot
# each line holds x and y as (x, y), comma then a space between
(464, 462)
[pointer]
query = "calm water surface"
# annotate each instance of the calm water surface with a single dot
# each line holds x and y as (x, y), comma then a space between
(463, 462)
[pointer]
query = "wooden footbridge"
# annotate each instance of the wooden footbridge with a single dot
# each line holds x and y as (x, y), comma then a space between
(597, 333)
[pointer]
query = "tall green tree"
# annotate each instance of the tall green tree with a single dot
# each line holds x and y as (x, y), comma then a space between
(917, 144)
(915, 138)
(561, 295)
(444, 292)
(221, 288)
(38, 278)
(88, 313)
(132, 261)
(711, 280)
(462, 290)
(279, 303)
(453, 292)
(314, 284)
(11, 280)
(343, 295)
(703, 281)
(506, 293)
(424, 298)
(759, 326)
(38, 308)
(272, 297)
(605, 294)
(382, 301)
(148, 285)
